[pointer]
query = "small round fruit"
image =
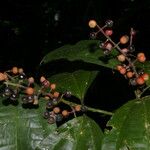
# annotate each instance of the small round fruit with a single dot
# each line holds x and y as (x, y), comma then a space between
(56, 94)
(51, 120)
(20, 70)
(42, 79)
(49, 105)
(47, 97)
(14, 70)
(56, 110)
(22, 76)
(7, 91)
(123, 70)
(145, 76)
(53, 86)
(46, 83)
(124, 50)
(140, 81)
(129, 74)
(140, 54)
(77, 107)
(29, 90)
(55, 101)
(133, 82)
(30, 99)
(93, 35)
(67, 94)
(141, 57)
(124, 39)
(5, 76)
(25, 100)
(92, 23)
(109, 32)
(121, 58)
(65, 113)
(13, 96)
(31, 80)
(46, 115)
(2, 77)
(108, 46)
(59, 117)
(131, 48)
(119, 67)
(109, 23)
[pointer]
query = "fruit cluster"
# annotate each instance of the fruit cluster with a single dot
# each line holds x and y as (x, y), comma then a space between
(54, 113)
(128, 61)
(16, 85)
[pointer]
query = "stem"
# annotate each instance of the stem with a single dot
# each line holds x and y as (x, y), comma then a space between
(144, 91)
(88, 108)
(119, 49)
(10, 77)
(14, 84)
(131, 36)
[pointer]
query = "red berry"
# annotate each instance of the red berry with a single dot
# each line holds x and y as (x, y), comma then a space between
(108, 46)
(42, 79)
(31, 80)
(140, 81)
(124, 50)
(109, 32)
(141, 57)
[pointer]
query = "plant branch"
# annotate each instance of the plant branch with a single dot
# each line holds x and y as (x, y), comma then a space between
(144, 90)
(119, 49)
(87, 108)
(14, 84)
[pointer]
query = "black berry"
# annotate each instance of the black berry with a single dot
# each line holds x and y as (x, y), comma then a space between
(109, 23)
(59, 117)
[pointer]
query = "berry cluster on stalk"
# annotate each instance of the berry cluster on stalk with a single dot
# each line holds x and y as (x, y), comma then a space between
(128, 60)
(17, 86)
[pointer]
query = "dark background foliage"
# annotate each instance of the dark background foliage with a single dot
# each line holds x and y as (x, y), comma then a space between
(30, 29)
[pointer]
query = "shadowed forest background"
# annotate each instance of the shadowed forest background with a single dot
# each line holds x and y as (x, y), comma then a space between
(30, 29)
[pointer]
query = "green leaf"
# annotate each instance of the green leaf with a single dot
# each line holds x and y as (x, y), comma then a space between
(22, 129)
(130, 127)
(145, 66)
(81, 133)
(76, 82)
(87, 51)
